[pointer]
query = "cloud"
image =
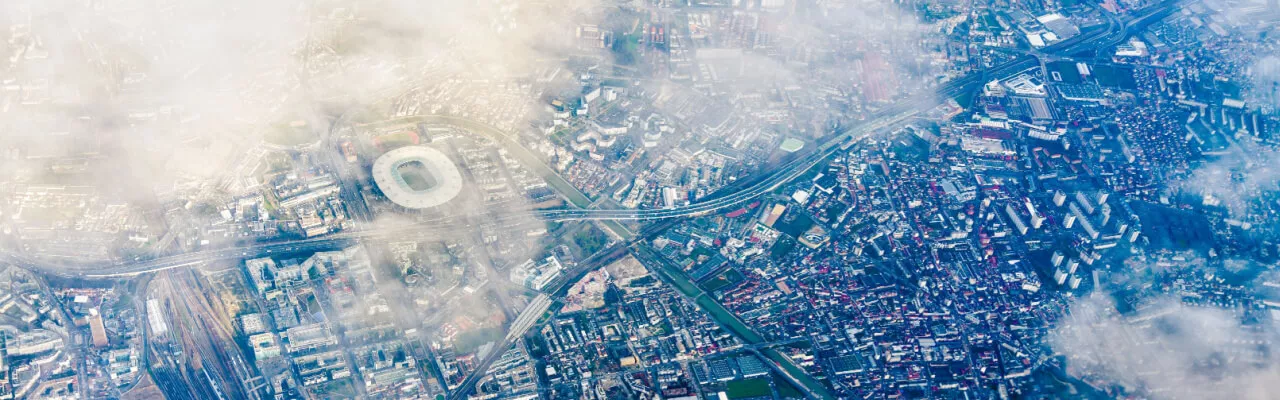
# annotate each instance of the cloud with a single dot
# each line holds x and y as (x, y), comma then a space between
(163, 93)
(1265, 81)
(1168, 350)
(861, 33)
(160, 94)
(1236, 181)
(156, 101)
(824, 62)
(139, 78)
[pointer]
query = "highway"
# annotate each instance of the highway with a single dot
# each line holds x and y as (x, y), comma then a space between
(527, 318)
(886, 119)
(734, 195)
(731, 196)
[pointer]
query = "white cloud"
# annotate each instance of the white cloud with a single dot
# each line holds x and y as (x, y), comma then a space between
(1236, 180)
(1169, 351)
(172, 90)
(1265, 84)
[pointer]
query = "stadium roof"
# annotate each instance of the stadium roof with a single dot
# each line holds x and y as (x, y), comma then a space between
(445, 182)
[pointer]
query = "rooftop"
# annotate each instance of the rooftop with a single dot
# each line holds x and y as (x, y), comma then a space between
(417, 177)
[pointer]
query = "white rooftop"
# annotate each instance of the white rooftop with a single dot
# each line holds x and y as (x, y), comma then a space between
(447, 180)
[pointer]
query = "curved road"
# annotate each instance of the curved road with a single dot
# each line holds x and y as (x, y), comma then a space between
(734, 195)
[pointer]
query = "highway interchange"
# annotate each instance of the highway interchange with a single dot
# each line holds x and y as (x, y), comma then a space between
(735, 195)
(751, 189)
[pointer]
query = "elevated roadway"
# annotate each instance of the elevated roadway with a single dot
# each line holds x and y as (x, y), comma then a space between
(731, 196)
(737, 194)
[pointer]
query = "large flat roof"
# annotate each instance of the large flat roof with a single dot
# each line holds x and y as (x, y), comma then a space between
(447, 179)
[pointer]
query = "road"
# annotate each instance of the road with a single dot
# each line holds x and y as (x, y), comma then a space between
(575, 197)
(734, 195)
(730, 322)
(527, 319)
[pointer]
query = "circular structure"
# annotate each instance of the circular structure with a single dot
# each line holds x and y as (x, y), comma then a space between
(417, 177)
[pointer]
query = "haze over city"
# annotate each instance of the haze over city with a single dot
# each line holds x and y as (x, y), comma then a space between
(639, 199)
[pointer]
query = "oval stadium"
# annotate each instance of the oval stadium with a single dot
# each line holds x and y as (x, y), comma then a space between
(417, 177)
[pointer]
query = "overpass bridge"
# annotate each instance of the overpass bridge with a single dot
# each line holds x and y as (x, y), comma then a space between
(731, 196)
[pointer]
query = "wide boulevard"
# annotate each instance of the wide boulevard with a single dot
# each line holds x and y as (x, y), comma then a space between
(734, 195)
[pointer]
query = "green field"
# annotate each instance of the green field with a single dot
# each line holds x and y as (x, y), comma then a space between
(590, 240)
(396, 140)
(746, 388)
(1115, 76)
(724, 279)
(286, 135)
(782, 248)
(794, 222)
(792, 145)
